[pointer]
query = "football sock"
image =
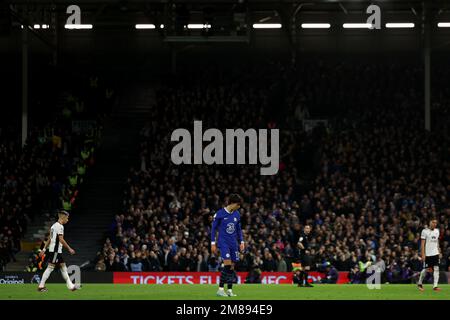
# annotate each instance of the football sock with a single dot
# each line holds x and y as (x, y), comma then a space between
(45, 276)
(229, 274)
(65, 276)
(435, 276)
(224, 275)
(233, 276)
(422, 275)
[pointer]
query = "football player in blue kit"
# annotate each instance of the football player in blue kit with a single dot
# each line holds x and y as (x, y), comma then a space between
(227, 223)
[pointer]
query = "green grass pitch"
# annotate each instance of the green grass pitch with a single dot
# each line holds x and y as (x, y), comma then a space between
(208, 292)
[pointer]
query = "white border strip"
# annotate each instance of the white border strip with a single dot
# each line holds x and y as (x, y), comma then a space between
(357, 26)
(400, 25)
(315, 26)
(78, 26)
(198, 26)
(267, 26)
(145, 26)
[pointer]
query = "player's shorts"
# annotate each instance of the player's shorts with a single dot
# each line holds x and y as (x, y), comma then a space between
(229, 252)
(54, 258)
(431, 261)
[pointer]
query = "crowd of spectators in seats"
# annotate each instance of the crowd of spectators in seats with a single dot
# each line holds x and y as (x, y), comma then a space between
(367, 182)
(46, 173)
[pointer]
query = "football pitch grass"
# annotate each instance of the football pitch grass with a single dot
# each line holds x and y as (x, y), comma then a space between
(208, 292)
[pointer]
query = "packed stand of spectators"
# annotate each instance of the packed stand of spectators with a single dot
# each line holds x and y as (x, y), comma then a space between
(43, 176)
(367, 183)
(46, 174)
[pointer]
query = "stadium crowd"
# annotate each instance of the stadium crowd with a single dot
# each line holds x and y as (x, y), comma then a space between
(45, 175)
(38, 178)
(375, 177)
(367, 182)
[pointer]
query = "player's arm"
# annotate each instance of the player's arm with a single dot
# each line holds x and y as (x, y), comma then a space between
(240, 236)
(46, 243)
(215, 226)
(65, 245)
(439, 249)
(422, 245)
(422, 249)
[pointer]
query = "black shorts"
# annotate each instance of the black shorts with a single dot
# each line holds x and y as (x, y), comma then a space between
(431, 261)
(54, 258)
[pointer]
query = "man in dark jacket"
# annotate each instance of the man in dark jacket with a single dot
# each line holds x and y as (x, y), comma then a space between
(331, 274)
(154, 264)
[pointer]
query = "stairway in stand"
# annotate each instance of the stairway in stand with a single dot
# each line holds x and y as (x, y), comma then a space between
(101, 195)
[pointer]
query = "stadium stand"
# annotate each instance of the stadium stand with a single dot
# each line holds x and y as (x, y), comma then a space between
(367, 181)
(47, 173)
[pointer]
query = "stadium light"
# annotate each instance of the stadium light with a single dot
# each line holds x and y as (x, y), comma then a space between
(266, 25)
(357, 25)
(37, 26)
(145, 26)
(45, 26)
(444, 25)
(316, 25)
(198, 26)
(400, 25)
(78, 26)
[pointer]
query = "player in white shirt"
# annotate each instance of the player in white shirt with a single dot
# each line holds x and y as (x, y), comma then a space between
(55, 244)
(430, 254)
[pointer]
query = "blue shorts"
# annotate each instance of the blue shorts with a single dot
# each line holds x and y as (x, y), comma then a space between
(228, 252)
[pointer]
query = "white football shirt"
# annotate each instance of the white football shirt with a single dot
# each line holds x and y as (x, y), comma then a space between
(431, 238)
(56, 229)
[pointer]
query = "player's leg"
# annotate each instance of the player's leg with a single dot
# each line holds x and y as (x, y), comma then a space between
(422, 274)
(66, 277)
(232, 273)
(306, 275)
(421, 277)
(436, 273)
(230, 280)
(224, 278)
(436, 278)
(306, 267)
(45, 276)
(49, 258)
(224, 274)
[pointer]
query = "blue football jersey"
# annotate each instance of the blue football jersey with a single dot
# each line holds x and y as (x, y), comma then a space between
(228, 226)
